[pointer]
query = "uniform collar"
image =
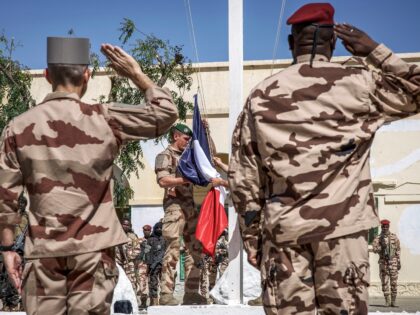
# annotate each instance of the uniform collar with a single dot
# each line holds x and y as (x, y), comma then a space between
(58, 95)
(307, 58)
(174, 150)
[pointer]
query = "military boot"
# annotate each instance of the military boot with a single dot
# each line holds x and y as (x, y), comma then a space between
(387, 300)
(194, 299)
(154, 301)
(393, 298)
(256, 302)
(168, 299)
(143, 302)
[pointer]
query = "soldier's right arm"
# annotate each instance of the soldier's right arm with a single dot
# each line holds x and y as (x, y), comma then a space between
(137, 122)
(246, 181)
(11, 184)
(164, 177)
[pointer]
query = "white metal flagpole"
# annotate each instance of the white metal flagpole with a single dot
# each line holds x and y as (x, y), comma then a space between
(235, 275)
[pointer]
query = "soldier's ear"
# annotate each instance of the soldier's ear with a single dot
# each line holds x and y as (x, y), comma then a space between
(87, 74)
(291, 41)
(47, 75)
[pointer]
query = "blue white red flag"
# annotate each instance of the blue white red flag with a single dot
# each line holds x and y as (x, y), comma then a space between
(196, 166)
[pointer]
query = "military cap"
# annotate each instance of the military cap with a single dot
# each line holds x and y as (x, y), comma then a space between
(313, 13)
(68, 50)
(184, 129)
(147, 227)
(385, 222)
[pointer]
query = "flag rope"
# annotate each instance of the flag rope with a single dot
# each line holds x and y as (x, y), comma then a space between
(200, 88)
(277, 39)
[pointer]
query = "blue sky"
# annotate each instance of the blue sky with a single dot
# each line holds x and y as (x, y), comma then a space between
(30, 22)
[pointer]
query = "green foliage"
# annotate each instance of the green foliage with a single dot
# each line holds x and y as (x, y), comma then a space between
(163, 63)
(15, 83)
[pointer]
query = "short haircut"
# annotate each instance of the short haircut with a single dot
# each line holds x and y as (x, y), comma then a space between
(304, 34)
(64, 74)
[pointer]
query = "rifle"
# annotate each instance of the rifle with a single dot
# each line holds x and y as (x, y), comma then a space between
(19, 245)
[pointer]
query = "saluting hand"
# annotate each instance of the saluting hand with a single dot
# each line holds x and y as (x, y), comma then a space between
(126, 66)
(357, 42)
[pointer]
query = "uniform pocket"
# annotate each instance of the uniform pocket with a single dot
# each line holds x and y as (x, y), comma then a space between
(106, 278)
(172, 224)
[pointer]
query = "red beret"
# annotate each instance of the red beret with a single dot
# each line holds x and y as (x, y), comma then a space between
(319, 13)
(385, 222)
(147, 227)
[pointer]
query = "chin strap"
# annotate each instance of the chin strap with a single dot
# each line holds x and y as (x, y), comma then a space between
(315, 39)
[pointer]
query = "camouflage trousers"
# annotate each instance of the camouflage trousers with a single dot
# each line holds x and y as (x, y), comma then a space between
(223, 265)
(178, 223)
(74, 285)
(329, 276)
(208, 276)
(130, 271)
(142, 280)
(388, 272)
(154, 280)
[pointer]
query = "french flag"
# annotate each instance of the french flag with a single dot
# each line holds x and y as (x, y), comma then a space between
(196, 166)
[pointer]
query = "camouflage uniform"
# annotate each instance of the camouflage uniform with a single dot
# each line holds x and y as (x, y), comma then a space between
(300, 153)
(63, 150)
(142, 273)
(388, 247)
(126, 255)
(208, 274)
(222, 254)
(180, 219)
(209, 266)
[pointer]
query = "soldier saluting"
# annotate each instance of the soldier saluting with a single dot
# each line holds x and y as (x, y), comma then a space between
(387, 246)
(62, 151)
(300, 161)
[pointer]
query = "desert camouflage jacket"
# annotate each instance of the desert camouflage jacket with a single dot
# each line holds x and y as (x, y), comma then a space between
(300, 149)
(387, 245)
(62, 151)
(128, 252)
(166, 165)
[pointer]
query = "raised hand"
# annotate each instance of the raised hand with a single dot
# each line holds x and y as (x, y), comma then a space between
(357, 42)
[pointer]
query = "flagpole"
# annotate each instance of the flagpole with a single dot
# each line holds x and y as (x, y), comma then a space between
(235, 275)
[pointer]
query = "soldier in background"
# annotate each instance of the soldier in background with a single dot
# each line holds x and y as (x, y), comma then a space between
(212, 267)
(10, 299)
(180, 219)
(126, 254)
(387, 246)
(62, 151)
(142, 269)
(154, 260)
(300, 155)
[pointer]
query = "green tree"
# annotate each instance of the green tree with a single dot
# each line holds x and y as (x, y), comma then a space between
(163, 63)
(15, 83)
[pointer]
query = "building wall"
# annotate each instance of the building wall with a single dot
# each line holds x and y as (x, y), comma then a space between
(394, 160)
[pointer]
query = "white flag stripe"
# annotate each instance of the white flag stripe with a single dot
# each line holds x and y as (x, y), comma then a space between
(203, 163)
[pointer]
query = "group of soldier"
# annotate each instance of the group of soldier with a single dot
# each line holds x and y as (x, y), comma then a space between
(141, 259)
(299, 179)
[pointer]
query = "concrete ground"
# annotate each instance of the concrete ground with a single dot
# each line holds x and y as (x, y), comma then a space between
(407, 304)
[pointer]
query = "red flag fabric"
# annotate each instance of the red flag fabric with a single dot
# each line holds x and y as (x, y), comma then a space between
(212, 220)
